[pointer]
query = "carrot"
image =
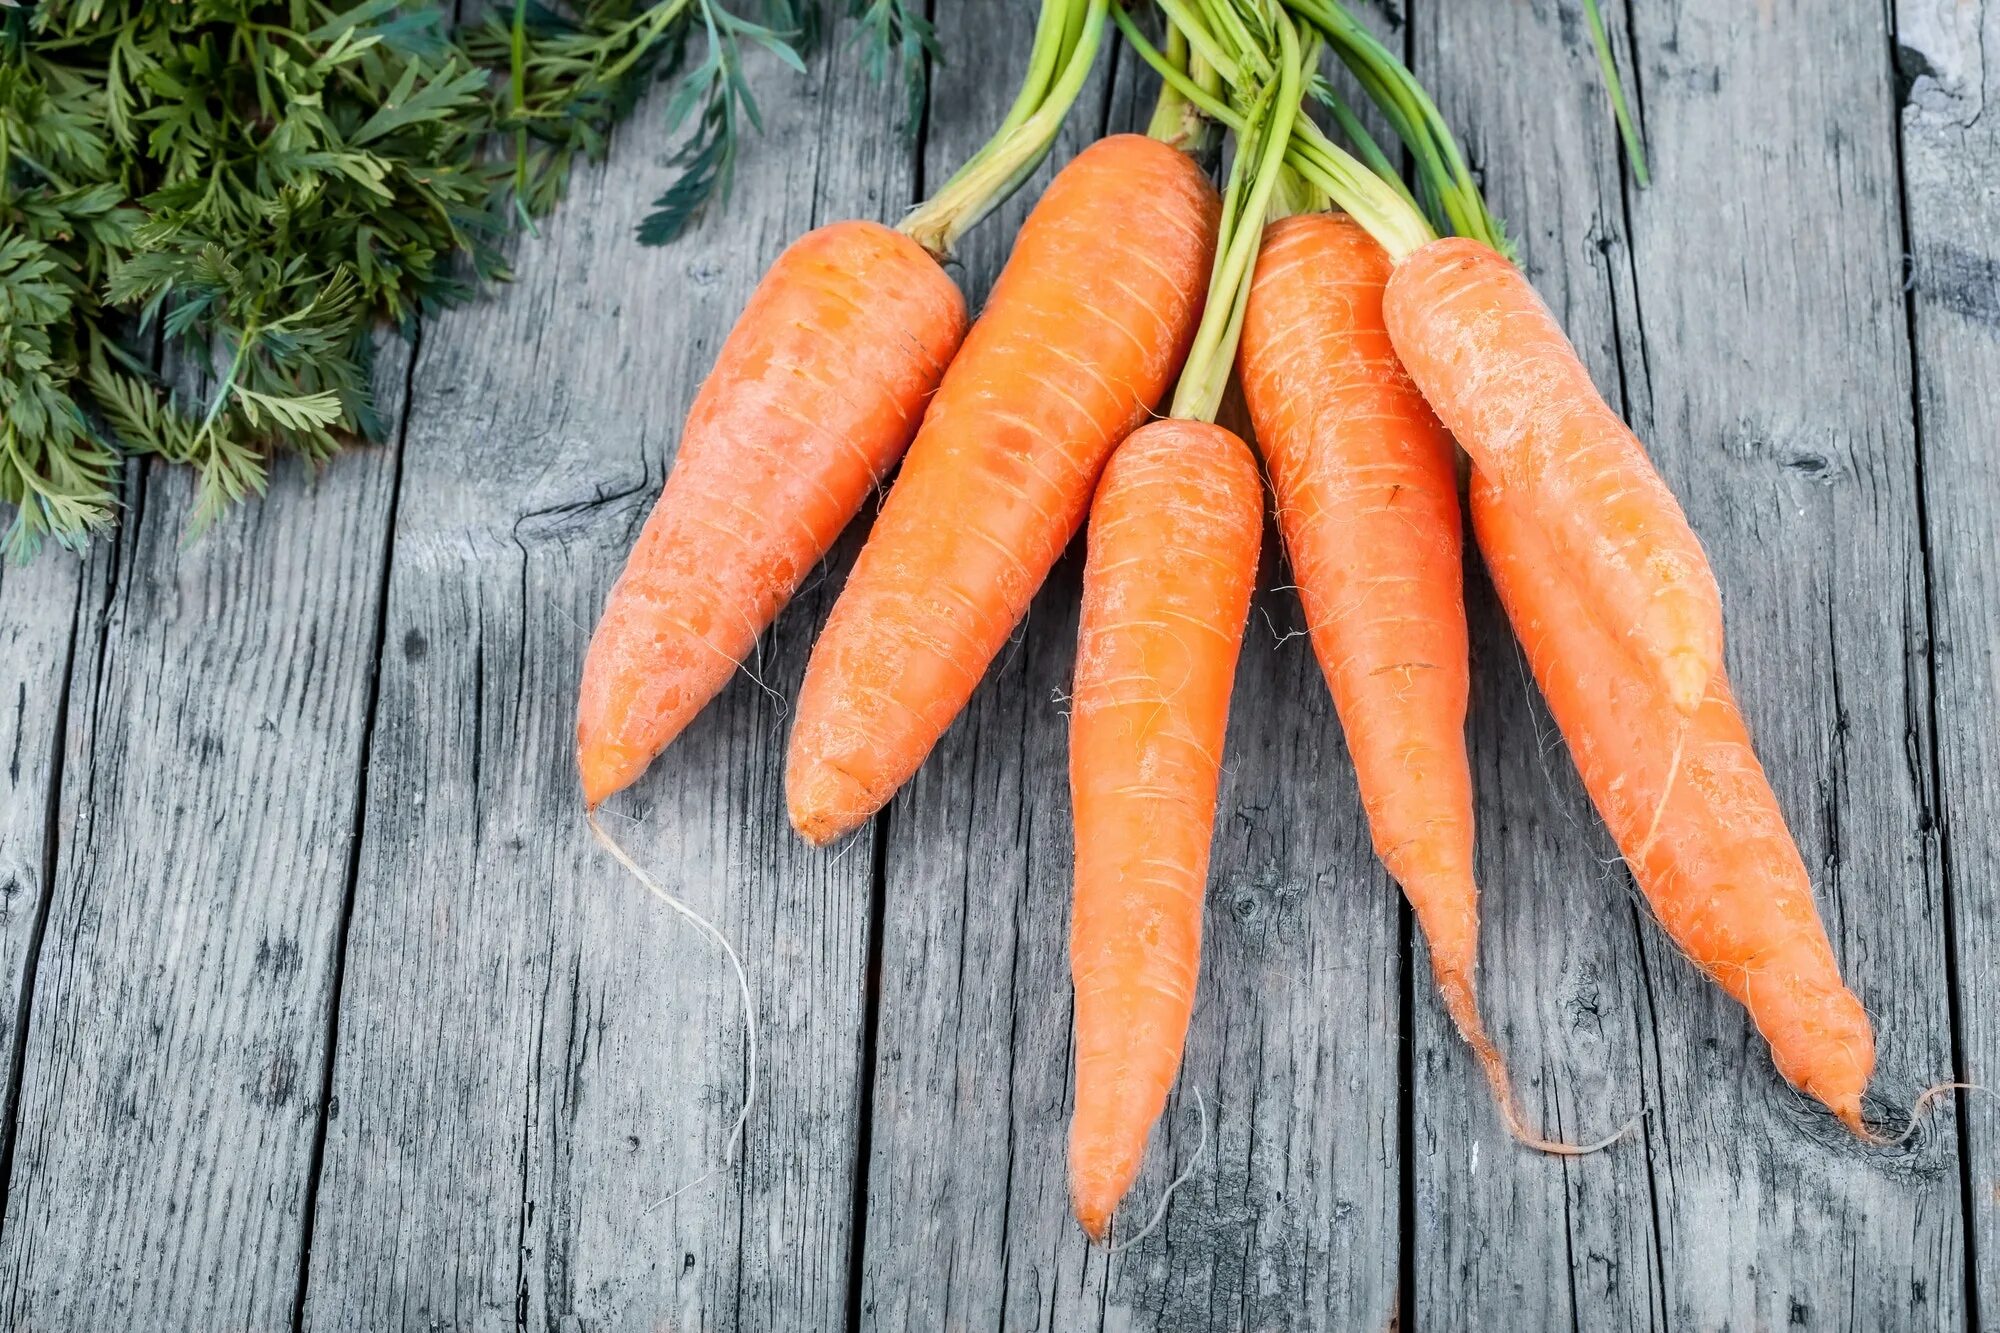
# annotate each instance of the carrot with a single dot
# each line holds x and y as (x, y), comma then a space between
(1078, 341)
(1496, 367)
(1692, 813)
(1368, 506)
(1174, 533)
(1367, 494)
(813, 398)
(816, 393)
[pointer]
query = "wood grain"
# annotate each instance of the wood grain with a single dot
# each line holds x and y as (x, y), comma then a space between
(42, 612)
(1746, 310)
(170, 1095)
(293, 808)
(1948, 60)
(531, 1051)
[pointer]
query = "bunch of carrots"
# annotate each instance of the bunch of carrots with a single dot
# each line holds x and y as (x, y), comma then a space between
(1371, 350)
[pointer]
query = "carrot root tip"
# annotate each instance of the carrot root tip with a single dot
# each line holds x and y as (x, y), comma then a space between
(1456, 986)
(1096, 1220)
(823, 802)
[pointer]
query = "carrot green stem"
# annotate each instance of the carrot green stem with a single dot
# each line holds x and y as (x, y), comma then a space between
(1178, 119)
(1456, 202)
(1383, 210)
(1044, 62)
(1365, 146)
(1253, 178)
(1634, 150)
(1171, 110)
(1185, 15)
(1013, 153)
(1175, 75)
(1374, 196)
(1319, 168)
(1228, 21)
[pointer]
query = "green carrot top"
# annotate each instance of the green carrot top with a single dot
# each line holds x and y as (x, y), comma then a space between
(1319, 172)
(1255, 49)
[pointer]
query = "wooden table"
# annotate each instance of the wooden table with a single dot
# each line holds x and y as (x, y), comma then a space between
(323, 1011)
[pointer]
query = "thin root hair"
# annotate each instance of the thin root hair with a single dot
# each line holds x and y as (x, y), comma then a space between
(851, 841)
(1920, 1111)
(736, 1131)
(1464, 1011)
(1278, 639)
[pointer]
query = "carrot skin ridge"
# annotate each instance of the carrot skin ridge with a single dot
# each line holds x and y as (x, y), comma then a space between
(1693, 815)
(1079, 341)
(1172, 563)
(1502, 376)
(814, 396)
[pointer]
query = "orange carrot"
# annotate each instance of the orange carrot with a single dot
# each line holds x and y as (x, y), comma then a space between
(1174, 533)
(1498, 370)
(1368, 505)
(1079, 340)
(1367, 494)
(814, 397)
(1692, 813)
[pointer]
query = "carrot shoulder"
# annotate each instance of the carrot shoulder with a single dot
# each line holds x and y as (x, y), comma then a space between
(1079, 340)
(1692, 813)
(816, 393)
(1174, 534)
(1496, 367)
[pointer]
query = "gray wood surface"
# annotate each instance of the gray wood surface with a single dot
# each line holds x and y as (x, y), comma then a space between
(170, 1085)
(42, 612)
(319, 1009)
(531, 1051)
(1947, 56)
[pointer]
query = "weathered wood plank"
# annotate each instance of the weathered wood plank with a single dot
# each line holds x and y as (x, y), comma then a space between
(170, 1095)
(531, 1051)
(1499, 1230)
(1757, 341)
(1292, 1213)
(513, 1088)
(41, 612)
(1949, 57)
(959, 1119)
